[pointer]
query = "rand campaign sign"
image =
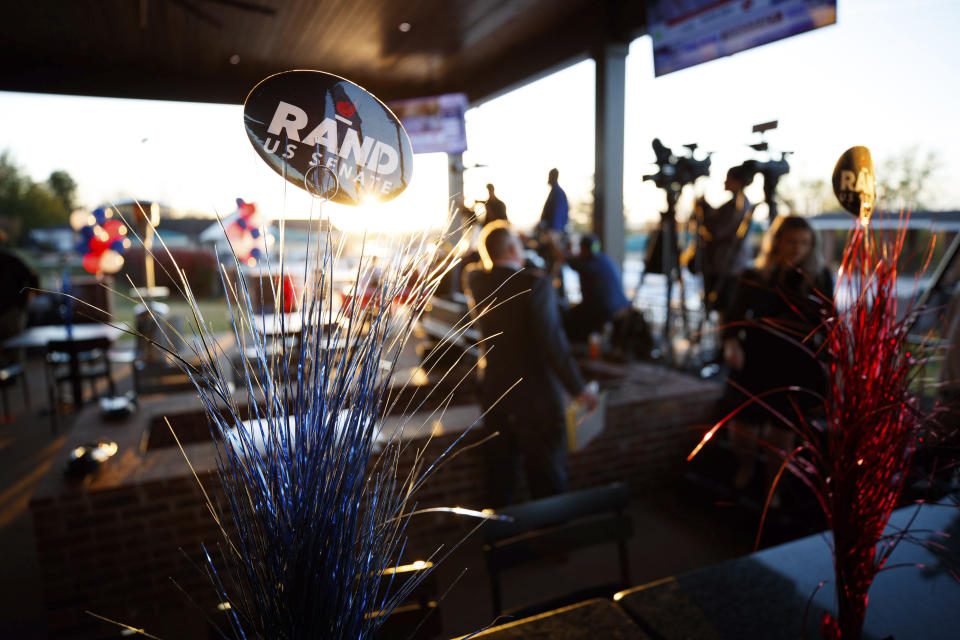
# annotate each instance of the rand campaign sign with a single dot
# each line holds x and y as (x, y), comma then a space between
(689, 32)
(328, 136)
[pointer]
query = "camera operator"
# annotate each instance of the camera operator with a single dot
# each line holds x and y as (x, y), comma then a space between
(494, 207)
(726, 252)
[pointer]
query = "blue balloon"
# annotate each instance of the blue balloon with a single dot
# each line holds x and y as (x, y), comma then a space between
(86, 232)
(239, 202)
(117, 245)
(241, 223)
(255, 253)
(100, 215)
(254, 232)
(82, 247)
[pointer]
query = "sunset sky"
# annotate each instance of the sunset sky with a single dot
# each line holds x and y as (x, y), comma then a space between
(884, 76)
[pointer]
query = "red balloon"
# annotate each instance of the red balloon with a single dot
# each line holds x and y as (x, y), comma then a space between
(91, 263)
(115, 229)
(98, 246)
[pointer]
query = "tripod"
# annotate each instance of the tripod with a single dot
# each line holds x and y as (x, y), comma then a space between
(663, 257)
(662, 254)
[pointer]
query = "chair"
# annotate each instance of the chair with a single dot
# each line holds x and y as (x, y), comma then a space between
(553, 527)
(419, 612)
(75, 362)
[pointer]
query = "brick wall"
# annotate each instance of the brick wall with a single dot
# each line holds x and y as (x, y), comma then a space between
(113, 548)
(115, 552)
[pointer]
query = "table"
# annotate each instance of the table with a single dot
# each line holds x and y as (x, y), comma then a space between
(273, 325)
(590, 620)
(41, 336)
(765, 595)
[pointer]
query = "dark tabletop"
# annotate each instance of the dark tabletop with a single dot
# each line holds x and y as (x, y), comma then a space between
(591, 620)
(40, 336)
(765, 595)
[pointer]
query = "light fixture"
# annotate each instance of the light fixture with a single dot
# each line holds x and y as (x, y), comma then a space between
(235, 59)
(404, 27)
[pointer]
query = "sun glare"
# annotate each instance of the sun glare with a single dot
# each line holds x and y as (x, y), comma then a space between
(421, 207)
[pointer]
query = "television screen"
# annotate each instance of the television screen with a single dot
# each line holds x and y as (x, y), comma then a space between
(434, 123)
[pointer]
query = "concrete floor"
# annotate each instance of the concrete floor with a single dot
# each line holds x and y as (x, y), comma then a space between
(672, 536)
(27, 449)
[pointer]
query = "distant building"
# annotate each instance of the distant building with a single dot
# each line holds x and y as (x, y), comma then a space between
(60, 239)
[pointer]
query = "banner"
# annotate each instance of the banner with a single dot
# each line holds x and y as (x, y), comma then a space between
(689, 32)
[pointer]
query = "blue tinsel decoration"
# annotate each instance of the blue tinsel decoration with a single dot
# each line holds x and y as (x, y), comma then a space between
(313, 513)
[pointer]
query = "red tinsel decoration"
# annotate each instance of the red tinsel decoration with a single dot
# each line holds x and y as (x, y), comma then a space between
(873, 421)
(856, 461)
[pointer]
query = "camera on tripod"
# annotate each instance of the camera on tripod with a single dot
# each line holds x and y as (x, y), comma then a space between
(771, 170)
(676, 172)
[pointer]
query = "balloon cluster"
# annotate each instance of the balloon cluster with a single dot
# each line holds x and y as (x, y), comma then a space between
(103, 239)
(245, 234)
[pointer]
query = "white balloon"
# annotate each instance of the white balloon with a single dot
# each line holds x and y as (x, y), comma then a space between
(256, 220)
(79, 219)
(111, 261)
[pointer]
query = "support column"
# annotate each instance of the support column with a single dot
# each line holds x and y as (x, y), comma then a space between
(608, 222)
(455, 193)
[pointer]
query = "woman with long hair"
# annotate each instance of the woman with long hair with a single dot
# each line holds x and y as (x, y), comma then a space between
(771, 342)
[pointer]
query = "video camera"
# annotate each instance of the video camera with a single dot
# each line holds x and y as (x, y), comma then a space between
(676, 172)
(771, 170)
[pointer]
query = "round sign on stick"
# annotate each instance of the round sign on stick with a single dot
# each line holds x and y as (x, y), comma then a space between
(328, 136)
(854, 182)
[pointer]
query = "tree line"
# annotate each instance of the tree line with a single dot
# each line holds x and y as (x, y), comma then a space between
(26, 204)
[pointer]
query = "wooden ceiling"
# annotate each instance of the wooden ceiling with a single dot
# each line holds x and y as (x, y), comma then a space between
(217, 50)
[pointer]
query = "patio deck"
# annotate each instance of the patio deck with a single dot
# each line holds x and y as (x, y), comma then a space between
(672, 533)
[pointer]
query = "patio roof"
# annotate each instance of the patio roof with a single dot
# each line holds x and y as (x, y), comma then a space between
(217, 50)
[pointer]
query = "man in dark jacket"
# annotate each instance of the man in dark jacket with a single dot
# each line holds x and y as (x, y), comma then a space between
(527, 367)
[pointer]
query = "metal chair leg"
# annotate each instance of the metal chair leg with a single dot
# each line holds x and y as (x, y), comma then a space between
(110, 384)
(26, 390)
(53, 397)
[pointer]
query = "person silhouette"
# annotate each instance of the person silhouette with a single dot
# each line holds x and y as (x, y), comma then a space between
(528, 370)
(556, 210)
(495, 208)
